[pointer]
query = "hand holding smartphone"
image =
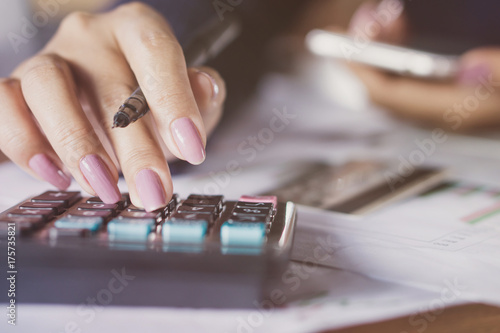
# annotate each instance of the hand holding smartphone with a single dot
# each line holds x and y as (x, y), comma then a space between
(395, 59)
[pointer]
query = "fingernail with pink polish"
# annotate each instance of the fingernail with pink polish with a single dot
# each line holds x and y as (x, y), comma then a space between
(472, 75)
(43, 166)
(188, 140)
(97, 174)
(150, 190)
(209, 82)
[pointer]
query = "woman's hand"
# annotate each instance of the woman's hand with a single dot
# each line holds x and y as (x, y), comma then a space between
(471, 100)
(58, 106)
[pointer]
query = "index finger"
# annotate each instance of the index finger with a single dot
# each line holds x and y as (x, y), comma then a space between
(158, 63)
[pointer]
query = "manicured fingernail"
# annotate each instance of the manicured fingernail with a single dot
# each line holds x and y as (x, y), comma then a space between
(97, 174)
(362, 16)
(150, 190)
(470, 76)
(208, 83)
(45, 168)
(188, 140)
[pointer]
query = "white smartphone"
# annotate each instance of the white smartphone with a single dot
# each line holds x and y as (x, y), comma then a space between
(391, 58)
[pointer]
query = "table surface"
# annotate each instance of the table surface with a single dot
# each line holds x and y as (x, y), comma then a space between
(476, 318)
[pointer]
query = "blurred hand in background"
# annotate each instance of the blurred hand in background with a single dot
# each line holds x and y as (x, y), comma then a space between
(470, 101)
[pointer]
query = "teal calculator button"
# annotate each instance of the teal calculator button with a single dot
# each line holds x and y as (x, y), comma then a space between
(184, 231)
(130, 229)
(242, 234)
(89, 223)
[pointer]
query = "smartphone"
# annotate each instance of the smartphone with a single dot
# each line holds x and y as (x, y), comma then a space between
(394, 59)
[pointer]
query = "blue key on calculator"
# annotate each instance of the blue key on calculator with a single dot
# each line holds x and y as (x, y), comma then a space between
(202, 251)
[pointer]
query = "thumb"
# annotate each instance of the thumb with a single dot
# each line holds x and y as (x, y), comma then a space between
(385, 21)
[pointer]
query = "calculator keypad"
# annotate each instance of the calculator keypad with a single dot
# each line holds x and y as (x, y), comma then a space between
(65, 215)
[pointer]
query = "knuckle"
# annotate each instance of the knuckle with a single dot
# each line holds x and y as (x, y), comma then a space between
(154, 38)
(77, 20)
(79, 140)
(165, 101)
(15, 140)
(42, 67)
(111, 99)
(140, 158)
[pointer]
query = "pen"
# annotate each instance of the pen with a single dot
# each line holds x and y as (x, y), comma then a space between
(203, 47)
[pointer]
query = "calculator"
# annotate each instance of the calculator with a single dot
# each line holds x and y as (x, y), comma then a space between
(201, 251)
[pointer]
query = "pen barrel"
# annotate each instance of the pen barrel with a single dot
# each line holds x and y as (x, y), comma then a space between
(134, 107)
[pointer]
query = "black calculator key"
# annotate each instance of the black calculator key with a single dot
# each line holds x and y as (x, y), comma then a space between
(173, 202)
(140, 215)
(124, 202)
(90, 213)
(66, 198)
(191, 216)
(196, 209)
(98, 206)
(94, 200)
(37, 213)
(133, 208)
(55, 207)
(214, 200)
(249, 218)
(251, 211)
(200, 202)
(171, 206)
(216, 205)
(217, 198)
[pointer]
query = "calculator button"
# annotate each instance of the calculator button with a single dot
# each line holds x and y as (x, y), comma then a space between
(216, 198)
(38, 213)
(66, 198)
(215, 206)
(249, 218)
(243, 204)
(192, 216)
(90, 213)
(184, 231)
(139, 215)
(130, 229)
(242, 234)
(201, 203)
(133, 208)
(124, 202)
(54, 207)
(196, 209)
(251, 211)
(173, 202)
(75, 222)
(213, 200)
(94, 200)
(55, 233)
(98, 206)
(262, 198)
